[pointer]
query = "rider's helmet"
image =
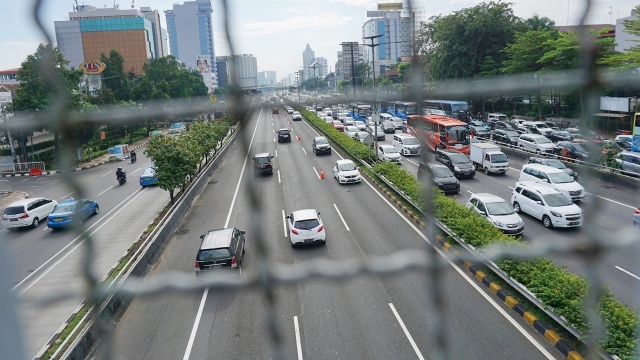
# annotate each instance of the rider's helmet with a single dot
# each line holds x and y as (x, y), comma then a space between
(119, 168)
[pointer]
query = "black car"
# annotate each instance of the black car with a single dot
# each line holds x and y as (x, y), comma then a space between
(509, 137)
(440, 176)
(284, 135)
(220, 249)
(554, 163)
(457, 162)
(321, 145)
(573, 150)
(479, 132)
(503, 125)
(560, 135)
(262, 164)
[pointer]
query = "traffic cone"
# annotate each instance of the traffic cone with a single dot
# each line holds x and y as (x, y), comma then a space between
(298, 137)
(321, 174)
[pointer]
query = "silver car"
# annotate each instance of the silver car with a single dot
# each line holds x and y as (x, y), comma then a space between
(498, 211)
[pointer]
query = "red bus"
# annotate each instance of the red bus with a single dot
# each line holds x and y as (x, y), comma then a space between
(439, 131)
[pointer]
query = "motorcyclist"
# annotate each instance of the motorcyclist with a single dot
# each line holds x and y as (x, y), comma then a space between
(120, 174)
(133, 156)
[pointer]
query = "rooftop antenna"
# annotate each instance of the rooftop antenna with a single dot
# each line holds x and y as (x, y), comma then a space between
(610, 15)
(76, 7)
(133, 6)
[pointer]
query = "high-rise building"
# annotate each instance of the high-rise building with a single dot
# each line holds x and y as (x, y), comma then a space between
(191, 37)
(222, 70)
(396, 27)
(625, 40)
(351, 55)
(322, 69)
(159, 34)
(308, 57)
(243, 71)
(91, 31)
(267, 78)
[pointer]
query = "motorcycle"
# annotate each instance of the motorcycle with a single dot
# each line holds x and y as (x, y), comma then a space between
(122, 179)
(133, 157)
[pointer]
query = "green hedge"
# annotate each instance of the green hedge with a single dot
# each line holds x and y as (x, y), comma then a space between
(553, 285)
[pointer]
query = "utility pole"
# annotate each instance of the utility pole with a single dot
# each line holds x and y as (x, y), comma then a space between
(375, 103)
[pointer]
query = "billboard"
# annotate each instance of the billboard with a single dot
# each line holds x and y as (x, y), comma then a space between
(615, 103)
(203, 64)
(92, 67)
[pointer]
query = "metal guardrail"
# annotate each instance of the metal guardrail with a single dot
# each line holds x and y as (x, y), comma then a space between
(21, 168)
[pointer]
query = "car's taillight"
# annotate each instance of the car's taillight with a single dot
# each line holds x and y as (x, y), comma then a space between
(234, 263)
(294, 231)
(320, 228)
(197, 266)
(638, 211)
(24, 215)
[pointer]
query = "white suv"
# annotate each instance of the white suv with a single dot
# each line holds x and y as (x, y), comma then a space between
(555, 178)
(27, 212)
(538, 144)
(544, 203)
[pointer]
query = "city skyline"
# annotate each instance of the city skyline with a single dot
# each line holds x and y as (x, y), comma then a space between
(277, 33)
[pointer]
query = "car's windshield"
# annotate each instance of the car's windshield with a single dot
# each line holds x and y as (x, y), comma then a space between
(410, 141)
(556, 164)
(459, 159)
(499, 208)
(579, 147)
(458, 135)
(307, 224)
(321, 141)
(347, 167)
(390, 149)
(261, 160)
(557, 199)
(512, 133)
(499, 158)
(441, 172)
(560, 178)
(62, 209)
(543, 140)
(542, 126)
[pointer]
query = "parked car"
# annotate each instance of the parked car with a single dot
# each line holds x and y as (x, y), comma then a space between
(457, 162)
(306, 228)
(554, 163)
(321, 145)
(27, 212)
(545, 203)
(572, 150)
(498, 211)
(262, 164)
(508, 137)
(346, 172)
(284, 135)
(440, 176)
(535, 143)
(220, 249)
(67, 212)
(388, 152)
(149, 177)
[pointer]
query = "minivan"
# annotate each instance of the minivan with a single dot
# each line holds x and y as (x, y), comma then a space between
(629, 162)
(555, 178)
(27, 212)
(457, 162)
(535, 143)
(406, 144)
(496, 117)
(386, 123)
(547, 204)
(220, 249)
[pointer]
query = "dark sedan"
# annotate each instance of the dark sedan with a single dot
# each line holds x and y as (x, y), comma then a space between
(571, 150)
(508, 137)
(479, 132)
(561, 135)
(440, 176)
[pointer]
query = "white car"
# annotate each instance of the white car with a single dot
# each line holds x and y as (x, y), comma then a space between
(498, 211)
(351, 130)
(545, 203)
(346, 172)
(306, 228)
(388, 152)
(360, 125)
(27, 212)
(296, 116)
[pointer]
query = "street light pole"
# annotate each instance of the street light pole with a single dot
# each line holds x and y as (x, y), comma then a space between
(313, 66)
(375, 103)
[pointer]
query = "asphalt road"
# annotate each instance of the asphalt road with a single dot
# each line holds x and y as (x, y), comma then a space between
(365, 317)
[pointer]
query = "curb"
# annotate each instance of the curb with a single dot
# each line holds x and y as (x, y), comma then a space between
(545, 330)
(85, 167)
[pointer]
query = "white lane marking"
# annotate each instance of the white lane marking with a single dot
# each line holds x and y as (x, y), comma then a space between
(194, 329)
(276, 149)
(615, 202)
(341, 218)
(279, 179)
(105, 190)
(298, 342)
(105, 174)
(73, 245)
(275, 140)
(196, 322)
(316, 171)
(66, 196)
(627, 272)
(466, 277)
(406, 332)
(304, 151)
(284, 223)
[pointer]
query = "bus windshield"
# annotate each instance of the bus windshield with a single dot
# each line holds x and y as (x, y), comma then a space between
(364, 111)
(411, 110)
(457, 135)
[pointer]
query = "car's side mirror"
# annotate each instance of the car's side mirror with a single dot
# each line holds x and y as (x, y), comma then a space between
(319, 212)
(202, 237)
(241, 232)
(288, 217)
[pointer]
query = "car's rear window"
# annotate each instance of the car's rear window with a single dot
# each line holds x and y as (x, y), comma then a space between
(62, 209)
(306, 224)
(14, 210)
(213, 254)
(261, 160)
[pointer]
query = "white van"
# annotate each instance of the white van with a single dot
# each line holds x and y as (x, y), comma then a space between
(497, 117)
(555, 178)
(386, 123)
(406, 144)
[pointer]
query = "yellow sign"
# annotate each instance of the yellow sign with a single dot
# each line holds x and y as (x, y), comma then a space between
(93, 67)
(212, 98)
(389, 6)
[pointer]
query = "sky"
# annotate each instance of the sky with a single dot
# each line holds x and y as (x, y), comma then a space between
(276, 32)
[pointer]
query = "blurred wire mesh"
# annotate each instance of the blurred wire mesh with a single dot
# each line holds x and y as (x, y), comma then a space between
(592, 241)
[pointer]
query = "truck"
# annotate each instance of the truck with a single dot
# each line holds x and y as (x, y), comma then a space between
(489, 158)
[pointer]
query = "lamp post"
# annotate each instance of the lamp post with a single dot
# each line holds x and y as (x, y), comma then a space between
(313, 66)
(375, 103)
(298, 86)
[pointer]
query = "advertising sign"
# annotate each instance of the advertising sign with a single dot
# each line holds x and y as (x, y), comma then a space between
(93, 67)
(203, 63)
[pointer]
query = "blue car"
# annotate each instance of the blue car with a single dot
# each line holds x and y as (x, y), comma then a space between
(149, 177)
(66, 212)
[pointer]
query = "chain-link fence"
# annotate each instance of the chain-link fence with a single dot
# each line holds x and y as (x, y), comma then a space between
(590, 243)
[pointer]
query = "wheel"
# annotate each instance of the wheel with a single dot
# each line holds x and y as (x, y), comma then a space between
(516, 207)
(323, 243)
(293, 246)
(486, 170)
(546, 221)
(35, 222)
(243, 251)
(97, 210)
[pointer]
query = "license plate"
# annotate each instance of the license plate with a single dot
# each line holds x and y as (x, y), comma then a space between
(308, 240)
(57, 219)
(571, 223)
(14, 219)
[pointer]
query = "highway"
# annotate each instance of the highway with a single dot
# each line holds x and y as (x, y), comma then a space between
(366, 317)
